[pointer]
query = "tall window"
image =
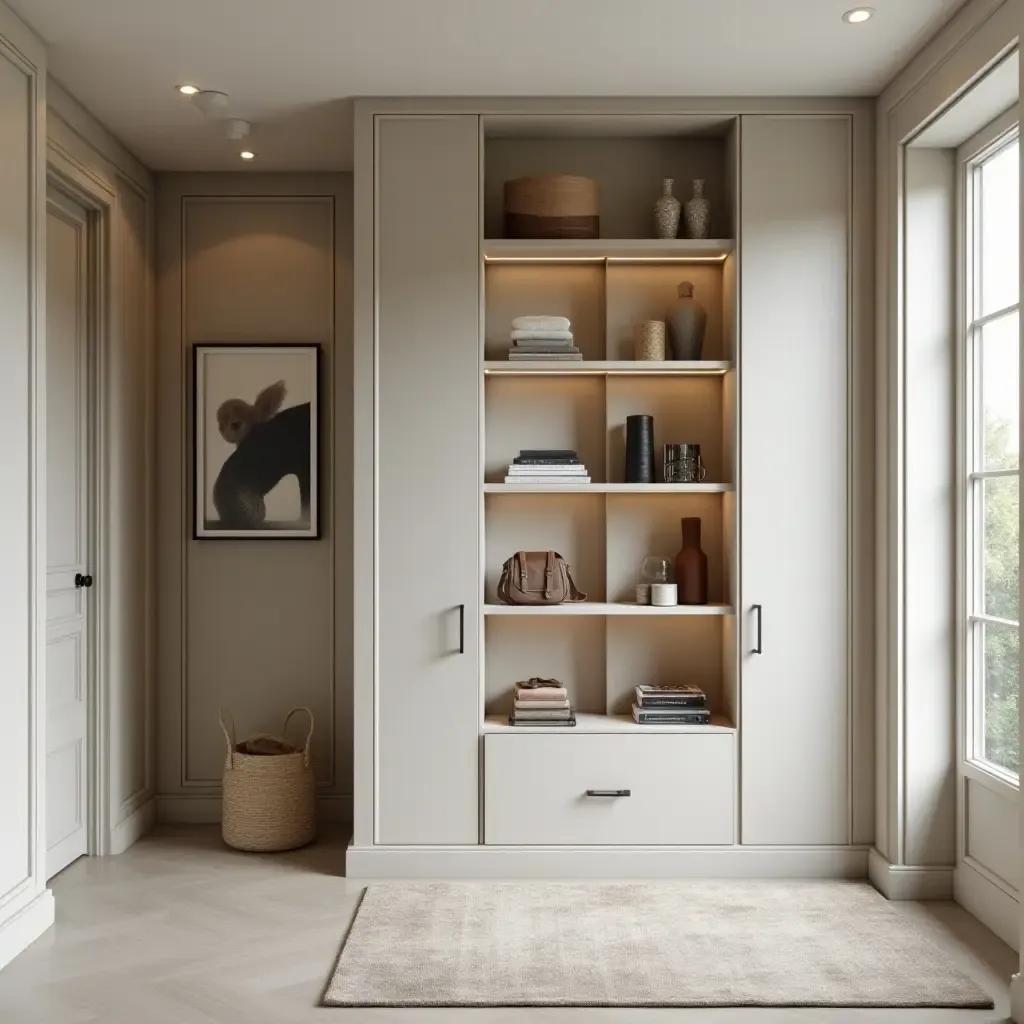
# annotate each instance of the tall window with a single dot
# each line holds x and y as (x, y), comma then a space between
(990, 450)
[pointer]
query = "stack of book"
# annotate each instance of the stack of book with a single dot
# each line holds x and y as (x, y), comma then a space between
(541, 702)
(671, 705)
(547, 466)
(544, 338)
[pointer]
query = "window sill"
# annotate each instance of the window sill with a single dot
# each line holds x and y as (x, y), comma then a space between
(1001, 783)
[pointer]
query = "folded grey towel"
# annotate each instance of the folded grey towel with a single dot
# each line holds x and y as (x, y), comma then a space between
(540, 323)
(534, 335)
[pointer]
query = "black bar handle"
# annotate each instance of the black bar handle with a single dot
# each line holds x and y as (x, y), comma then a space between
(757, 649)
(462, 629)
(609, 792)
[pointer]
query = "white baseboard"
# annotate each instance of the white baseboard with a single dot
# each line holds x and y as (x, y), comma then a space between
(995, 908)
(204, 809)
(25, 925)
(1017, 999)
(133, 828)
(604, 862)
(909, 881)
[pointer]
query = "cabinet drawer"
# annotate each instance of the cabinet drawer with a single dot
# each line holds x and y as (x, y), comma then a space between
(681, 790)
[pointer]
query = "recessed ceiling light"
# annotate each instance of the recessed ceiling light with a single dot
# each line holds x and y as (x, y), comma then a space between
(188, 90)
(246, 154)
(858, 15)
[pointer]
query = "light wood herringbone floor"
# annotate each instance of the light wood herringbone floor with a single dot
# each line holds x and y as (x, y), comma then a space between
(181, 930)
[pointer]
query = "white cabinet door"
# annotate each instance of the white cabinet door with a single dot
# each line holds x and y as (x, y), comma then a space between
(67, 532)
(427, 195)
(795, 265)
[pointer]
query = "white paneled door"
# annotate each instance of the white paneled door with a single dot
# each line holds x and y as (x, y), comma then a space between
(69, 504)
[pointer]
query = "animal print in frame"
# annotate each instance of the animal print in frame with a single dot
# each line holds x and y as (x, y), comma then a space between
(256, 413)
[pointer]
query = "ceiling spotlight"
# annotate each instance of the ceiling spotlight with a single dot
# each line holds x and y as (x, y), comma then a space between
(188, 90)
(858, 15)
(246, 154)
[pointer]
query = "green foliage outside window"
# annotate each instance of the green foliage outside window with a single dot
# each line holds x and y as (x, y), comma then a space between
(1002, 576)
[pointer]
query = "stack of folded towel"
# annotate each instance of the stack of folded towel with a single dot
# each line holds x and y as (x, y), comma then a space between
(545, 338)
(541, 702)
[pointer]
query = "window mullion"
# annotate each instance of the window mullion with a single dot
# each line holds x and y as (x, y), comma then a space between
(994, 620)
(991, 318)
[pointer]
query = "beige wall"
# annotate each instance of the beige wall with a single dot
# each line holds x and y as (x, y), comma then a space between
(256, 626)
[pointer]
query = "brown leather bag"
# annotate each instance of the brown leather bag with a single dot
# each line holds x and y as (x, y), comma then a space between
(537, 577)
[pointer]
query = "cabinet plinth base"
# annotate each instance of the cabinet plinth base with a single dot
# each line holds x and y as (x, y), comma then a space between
(576, 862)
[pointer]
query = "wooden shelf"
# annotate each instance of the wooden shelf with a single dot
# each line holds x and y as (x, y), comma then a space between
(589, 723)
(600, 608)
(608, 367)
(560, 488)
(633, 250)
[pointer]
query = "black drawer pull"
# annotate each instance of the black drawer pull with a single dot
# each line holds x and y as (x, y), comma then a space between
(609, 792)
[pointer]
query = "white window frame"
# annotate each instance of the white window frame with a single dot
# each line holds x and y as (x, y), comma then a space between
(971, 617)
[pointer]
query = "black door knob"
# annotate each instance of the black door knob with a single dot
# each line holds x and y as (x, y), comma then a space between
(82, 581)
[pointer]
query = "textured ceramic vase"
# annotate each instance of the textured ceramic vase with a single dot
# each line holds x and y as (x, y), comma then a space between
(691, 566)
(686, 321)
(666, 211)
(698, 212)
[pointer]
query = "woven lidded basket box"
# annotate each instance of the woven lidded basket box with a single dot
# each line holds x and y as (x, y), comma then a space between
(269, 799)
(552, 206)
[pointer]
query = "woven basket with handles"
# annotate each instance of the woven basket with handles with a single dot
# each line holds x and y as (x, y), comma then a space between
(269, 799)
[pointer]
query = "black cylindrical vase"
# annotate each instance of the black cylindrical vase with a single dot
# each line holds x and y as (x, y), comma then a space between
(639, 449)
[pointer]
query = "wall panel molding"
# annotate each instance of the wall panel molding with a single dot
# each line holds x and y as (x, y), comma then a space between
(26, 907)
(192, 205)
(218, 234)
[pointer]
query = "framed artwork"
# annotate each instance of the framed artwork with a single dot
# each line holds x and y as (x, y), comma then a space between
(256, 430)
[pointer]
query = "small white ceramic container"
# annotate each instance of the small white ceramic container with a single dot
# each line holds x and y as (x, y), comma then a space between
(664, 594)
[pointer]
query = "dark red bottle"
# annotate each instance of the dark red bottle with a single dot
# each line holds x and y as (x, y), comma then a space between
(692, 566)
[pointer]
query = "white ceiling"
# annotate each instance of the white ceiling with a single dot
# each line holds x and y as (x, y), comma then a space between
(291, 65)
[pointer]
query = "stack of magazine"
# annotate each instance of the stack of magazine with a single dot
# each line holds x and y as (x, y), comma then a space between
(547, 466)
(541, 702)
(670, 705)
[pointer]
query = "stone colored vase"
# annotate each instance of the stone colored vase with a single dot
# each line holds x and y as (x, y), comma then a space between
(692, 566)
(666, 211)
(686, 321)
(698, 212)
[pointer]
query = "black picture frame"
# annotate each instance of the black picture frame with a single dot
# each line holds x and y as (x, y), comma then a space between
(249, 438)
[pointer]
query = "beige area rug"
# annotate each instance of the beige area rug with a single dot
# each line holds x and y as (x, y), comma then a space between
(641, 944)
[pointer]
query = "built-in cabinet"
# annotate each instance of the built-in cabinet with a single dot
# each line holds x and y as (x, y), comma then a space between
(770, 403)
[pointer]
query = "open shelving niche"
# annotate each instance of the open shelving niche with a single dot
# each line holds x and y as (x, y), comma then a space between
(602, 648)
